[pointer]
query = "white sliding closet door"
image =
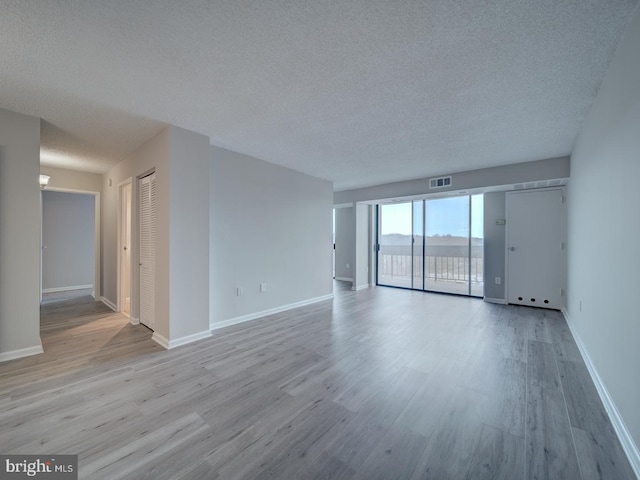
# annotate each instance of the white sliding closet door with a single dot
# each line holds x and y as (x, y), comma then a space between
(147, 263)
(534, 255)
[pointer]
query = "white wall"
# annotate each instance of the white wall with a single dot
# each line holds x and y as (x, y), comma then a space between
(362, 243)
(189, 233)
(64, 179)
(494, 245)
(344, 243)
(153, 155)
(19, 235)
(495, 178)
(68, 221)
(548, 169)
(603, 231)
(180, 159)
(269, 225)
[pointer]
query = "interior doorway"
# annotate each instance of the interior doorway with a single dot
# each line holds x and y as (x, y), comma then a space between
(70, 243)
(343, 242)
(124, 248)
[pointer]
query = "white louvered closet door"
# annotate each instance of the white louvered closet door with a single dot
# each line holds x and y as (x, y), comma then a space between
(147, 249)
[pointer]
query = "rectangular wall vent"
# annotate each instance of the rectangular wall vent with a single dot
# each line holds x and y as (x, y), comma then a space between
(540, 184)
(440, 182)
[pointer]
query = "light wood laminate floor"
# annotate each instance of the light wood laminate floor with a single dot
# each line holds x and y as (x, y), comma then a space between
(380, 383)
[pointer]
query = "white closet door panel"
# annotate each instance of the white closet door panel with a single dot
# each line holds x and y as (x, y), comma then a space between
(534, 248)
(147, 250)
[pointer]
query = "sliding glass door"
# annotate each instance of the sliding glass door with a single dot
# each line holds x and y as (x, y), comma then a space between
(447, 245)
(433, 245)
(418, 246)
(394, 240)
(477, 246)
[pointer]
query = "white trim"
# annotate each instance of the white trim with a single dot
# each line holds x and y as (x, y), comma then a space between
(505, 279)
(160, 340)
(134, 321)
(343, 205)
(70, 190)
(66, 289)
(344, 279)
(120, 300)
(271, 311)
(360, 287)
(169, 344)
(22, 352)
(41, 239)
(109, 304)
(501, 301)
(629, 446)
(371, 272)
(563, 279)
(96, 235)
(97, 285)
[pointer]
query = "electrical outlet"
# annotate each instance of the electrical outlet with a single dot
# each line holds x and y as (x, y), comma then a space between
(263, 287)
(498, 280)
(239, 291)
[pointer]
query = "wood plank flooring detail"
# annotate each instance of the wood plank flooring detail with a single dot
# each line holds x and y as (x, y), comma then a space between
(381, 383)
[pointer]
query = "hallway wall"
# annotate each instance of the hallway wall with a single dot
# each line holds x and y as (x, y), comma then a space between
(68, 223)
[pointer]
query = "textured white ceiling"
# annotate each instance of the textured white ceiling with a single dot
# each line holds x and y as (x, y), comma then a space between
(359, 92)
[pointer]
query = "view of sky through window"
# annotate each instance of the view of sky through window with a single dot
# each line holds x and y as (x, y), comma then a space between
(446, 216)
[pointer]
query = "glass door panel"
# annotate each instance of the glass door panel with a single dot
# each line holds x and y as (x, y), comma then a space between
(477, 245)
(418, 245)
(395, 245)
(447, 245)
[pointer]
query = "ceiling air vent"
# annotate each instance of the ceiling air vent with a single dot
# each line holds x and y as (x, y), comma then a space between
(440, 182)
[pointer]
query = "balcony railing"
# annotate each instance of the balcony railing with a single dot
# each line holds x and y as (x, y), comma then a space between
(435, 267)
(447, 268)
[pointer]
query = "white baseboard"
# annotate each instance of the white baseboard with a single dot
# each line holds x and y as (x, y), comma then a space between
(271, 311)
(344, 279)
(22, 352)
(134, 321)
(360, 287)
(501, 301)
(160, 340)
(66, 289)
(629, 446)
(109, 304)
(169, 344)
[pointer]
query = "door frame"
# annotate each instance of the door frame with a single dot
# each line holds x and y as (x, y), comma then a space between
(97, 287)
(120, 300)
(563, 235)
(336, 207)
